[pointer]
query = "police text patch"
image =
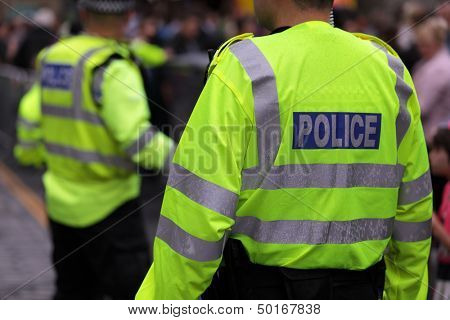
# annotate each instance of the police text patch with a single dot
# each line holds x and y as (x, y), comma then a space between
(328, 130)
(57, 76)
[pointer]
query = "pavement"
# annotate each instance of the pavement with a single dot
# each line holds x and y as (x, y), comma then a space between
(26, 271)
(25, 249)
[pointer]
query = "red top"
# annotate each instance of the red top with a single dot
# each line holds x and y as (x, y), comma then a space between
(444, 215)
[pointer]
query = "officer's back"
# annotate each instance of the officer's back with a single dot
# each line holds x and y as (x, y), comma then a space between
(325, 108)
(328, 170)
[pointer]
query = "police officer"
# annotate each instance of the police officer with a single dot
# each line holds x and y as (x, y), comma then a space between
(92, 128)
(306, 152)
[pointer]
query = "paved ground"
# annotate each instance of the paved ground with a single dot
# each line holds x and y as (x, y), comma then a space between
(24, 243)
(25, 247)
(24, 252)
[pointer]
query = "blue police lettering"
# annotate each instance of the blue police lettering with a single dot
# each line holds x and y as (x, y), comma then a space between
(337, 130)
(57, 76)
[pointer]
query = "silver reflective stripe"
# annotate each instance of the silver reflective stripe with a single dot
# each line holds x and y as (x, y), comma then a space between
(28, 145)
(142, 142)
(404, 92)
(77, 85)
(187, 245)
(415, 190)
(265, 93)
(411, 231)
(68, 113)
(314, 232)
(29, 125)
(326, 176)
(97, 85)
(89, 157)
(203, 192)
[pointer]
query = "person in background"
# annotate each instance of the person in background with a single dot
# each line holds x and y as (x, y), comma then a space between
(189, 38)
(349, 20)
(248, 24)
(149, 54)
(410, 13)
(148, 30)
(40, 35)
(16, 31)
(89, 112)
(444, 12)
(192, 38)
(432, 75)
(2, 51)
(440, 163)
(3, 44)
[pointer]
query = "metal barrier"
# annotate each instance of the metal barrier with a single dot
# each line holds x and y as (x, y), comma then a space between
(14, 83)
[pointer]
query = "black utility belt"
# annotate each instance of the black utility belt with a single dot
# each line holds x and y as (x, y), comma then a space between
(236, 255)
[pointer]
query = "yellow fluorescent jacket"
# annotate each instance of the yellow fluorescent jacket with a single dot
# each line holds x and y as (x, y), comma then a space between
(89, 115)
(306, 146)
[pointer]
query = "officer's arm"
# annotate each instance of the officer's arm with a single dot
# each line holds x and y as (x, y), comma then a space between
(150, 55)
(30, 150)
(201, 196)
(126, 113)
(407, 259)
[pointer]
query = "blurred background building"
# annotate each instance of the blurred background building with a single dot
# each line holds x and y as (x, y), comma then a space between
(185, 29)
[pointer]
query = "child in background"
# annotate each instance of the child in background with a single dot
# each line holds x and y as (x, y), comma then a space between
(440, 164)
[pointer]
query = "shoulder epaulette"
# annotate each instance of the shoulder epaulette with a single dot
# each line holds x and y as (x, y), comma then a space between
(378, 41)
(219, 53)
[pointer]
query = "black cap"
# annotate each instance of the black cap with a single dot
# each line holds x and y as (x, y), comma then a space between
(107, 6)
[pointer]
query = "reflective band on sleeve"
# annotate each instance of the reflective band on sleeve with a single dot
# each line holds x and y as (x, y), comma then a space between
(404, 92)
(89, 157)
(97, 84)
(314, 232)
(265, 93)
(325, 176)
(187, 245)
(68, 113)
(28, 145)
(411, 231)
(203, 192)
(29, 125)
(415, 190)
(142, 142)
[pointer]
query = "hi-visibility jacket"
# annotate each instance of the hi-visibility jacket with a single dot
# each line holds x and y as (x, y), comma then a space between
(93, 122)
(30, 150)
(306, 146)
(149, 55)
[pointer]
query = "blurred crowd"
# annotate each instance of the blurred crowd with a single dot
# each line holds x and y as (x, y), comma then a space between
(178, 26)
(198, 25)
(417, 31)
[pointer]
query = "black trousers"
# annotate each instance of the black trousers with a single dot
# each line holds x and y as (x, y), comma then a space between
(239, 279)
(102, 261)
(268, 283)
